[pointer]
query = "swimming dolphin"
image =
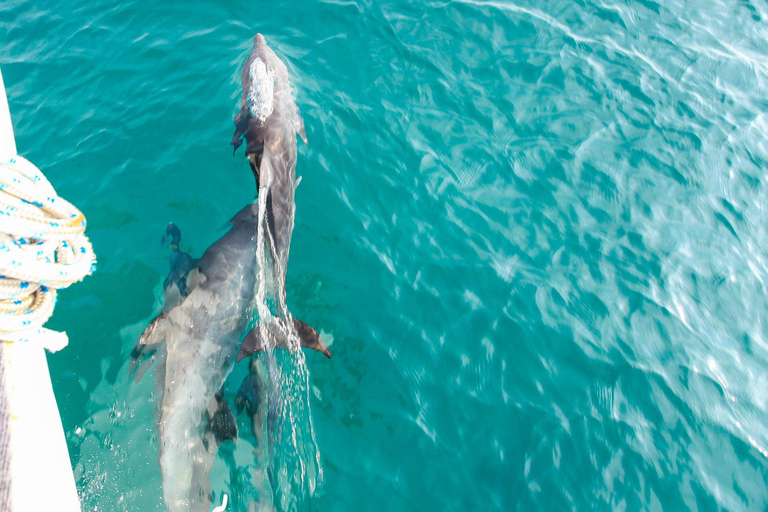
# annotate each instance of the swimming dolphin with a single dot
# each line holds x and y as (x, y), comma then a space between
(269, 120)
(209, 302)
(201, 335)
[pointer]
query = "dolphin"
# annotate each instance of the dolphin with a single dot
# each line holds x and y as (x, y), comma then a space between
(209, 302)
(200, 335)
(207, 309)
(269, 120)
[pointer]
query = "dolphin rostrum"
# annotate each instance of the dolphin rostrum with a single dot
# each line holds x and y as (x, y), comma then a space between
(201, 335)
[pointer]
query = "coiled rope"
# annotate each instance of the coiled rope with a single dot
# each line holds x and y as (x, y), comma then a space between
(43, 248)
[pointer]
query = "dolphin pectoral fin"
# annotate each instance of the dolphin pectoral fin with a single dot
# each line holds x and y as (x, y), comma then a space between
(246, 395)
(156, 331)
(310, 338)
(221, 421)
(302, 131)
(142, 357)
(251, 344)
(138, 354)
(299, 122)
(241, 125)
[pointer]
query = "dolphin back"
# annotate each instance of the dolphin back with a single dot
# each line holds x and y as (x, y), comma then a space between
(268, 112)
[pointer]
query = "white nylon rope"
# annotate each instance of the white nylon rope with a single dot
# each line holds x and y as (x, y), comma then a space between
(43, 248)
(222, 507)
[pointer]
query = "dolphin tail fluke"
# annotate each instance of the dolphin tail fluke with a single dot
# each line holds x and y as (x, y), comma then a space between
(181, 264)
(308, 337)
(172, 233)
(156, 331)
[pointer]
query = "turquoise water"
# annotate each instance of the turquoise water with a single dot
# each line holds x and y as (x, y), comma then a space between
(534, 231)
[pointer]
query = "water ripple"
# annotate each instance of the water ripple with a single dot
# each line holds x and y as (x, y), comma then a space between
(535, 232)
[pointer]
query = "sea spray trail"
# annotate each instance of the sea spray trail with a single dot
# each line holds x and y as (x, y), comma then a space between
(293, 456)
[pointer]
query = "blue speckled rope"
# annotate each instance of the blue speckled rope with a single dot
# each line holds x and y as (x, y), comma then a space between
(43, 247)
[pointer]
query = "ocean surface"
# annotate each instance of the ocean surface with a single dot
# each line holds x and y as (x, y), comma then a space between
(534, 231)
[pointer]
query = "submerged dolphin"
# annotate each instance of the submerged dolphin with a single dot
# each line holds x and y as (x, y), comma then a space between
(269, 120)
(201, 335)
